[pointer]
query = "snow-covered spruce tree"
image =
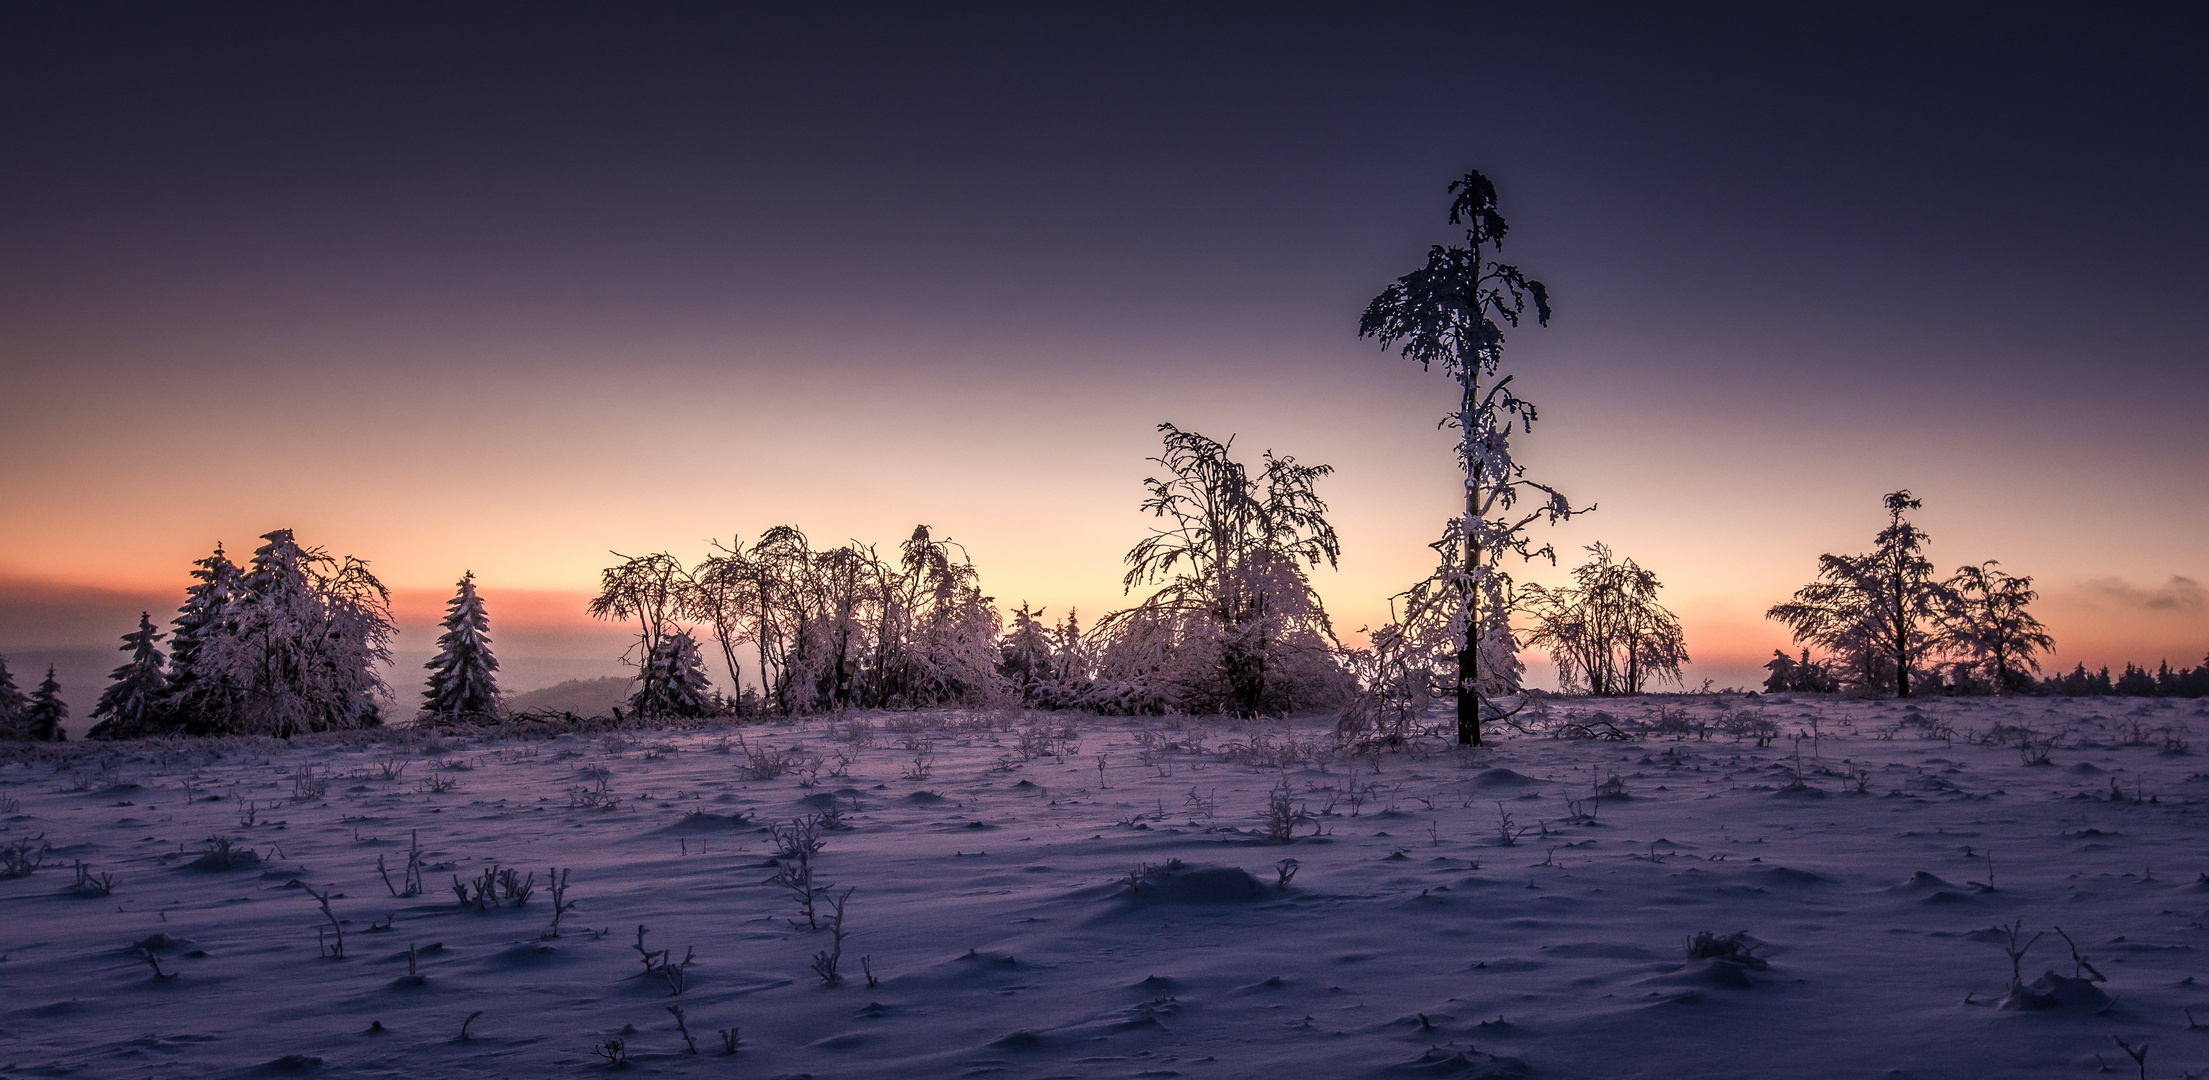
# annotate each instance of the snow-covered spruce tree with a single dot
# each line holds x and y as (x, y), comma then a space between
(673, 683)
(1234, 625)
(1606, 630)
(42, 718)
(12, 704)
(1873, 611)
(131, 704)
(1452, 312)
(1985, 625)
(301, 646)
(462, 687)
(1026, 655)
(198, 698)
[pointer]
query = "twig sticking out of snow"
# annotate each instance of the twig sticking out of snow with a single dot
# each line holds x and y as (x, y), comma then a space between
(677, 1011)
(323, 897)
(464, 1036)
(557, 880)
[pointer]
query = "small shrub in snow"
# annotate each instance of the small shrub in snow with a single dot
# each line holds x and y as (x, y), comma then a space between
(1284, 815)
(677, 1012)
(1737, 947)
(556, 880)
(24, 857)
(90, 884)
(412, 876)
(825, 961)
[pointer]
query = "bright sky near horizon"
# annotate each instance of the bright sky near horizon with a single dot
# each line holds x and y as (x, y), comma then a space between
(503, 289)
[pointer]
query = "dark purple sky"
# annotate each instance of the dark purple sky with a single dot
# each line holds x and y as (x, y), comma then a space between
(432, 284)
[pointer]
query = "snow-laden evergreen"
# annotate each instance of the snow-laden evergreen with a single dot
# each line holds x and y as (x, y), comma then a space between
(206, 611)
(42, 720)
(300, 648)
(673, 683)
(131, 705)
(461, 684)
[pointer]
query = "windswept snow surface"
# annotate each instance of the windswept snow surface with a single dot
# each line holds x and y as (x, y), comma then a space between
(992, 898)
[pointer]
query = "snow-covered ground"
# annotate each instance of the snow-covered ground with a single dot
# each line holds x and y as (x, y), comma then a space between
(991, 896)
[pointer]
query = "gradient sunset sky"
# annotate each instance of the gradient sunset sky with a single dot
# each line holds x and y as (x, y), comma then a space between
(502, 287)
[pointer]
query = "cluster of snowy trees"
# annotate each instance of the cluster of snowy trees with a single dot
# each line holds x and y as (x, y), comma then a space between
(293, 641)
(1606, 631)
(837, 628)
(1231, 624)
(1888, 624)
(35, 716)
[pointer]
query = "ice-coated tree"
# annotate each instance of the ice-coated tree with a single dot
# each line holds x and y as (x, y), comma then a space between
(1985, 625)
(12, 704)
(302, 645)
(1027, 656)
(652, 589)
(193, 690)
(1606, 630)
(673, 683)
(462, 683)
(1875, 610)
(131, 704)
(1233, 625)
(42, 718)
(1452, 312)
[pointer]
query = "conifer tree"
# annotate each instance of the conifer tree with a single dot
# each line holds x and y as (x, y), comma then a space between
(42, 720)
(201, 698)
(461, 683)
(674, 680)
(12, 704)
(131, 705)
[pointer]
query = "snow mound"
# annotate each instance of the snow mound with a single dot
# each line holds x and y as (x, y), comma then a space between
(699, 821)
(1443, 1061)
(1504, 778)
(1783, 875)
(1179, 883)
(216, 862)
(1923, 881)
(2053, 991)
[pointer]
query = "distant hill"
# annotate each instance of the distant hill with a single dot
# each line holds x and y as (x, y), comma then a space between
(583, 697)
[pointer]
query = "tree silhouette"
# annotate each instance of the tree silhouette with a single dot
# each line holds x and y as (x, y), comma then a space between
(1452, 312)
(132, 702)
(462, 682)
(1874, 608)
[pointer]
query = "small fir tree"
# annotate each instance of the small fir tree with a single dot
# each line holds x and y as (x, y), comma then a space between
(461, 682)
(674, 680)
(131, 705)
(195, 694)
(42, 720)
(12, 704)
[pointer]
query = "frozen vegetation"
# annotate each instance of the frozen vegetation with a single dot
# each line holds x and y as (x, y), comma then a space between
(1794, 885)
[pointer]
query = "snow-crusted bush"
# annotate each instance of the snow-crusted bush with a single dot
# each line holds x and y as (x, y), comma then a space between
(1233, 626)
(298, 649)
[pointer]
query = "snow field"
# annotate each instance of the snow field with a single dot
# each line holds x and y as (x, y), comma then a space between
(1027, 917)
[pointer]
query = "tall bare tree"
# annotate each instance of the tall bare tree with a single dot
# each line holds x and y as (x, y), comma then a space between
(1452, 312)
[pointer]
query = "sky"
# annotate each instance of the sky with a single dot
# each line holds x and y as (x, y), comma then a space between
(504, 288)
